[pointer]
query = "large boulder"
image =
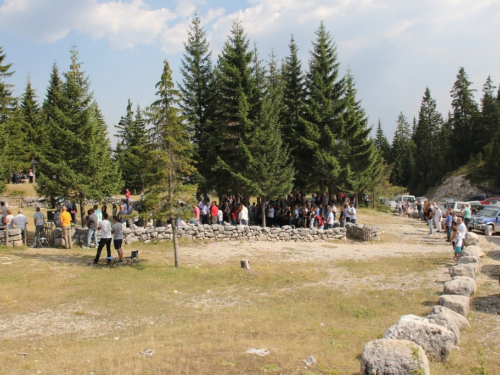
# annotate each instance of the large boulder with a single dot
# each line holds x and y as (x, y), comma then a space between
(461, 286)
(435, 339)
(393, 357)
(463, 270)
(472, 239)
(473, 261)
(459, 304)
(473, 251)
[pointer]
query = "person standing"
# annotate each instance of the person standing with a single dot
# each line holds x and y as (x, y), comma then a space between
(399, 207)
(342, 217)
(20, 220)
(467, 215)
(4, 208)
(98, 213)
(353, 214)
(196, 212)
(204, 213)
(39, 220)
(91, 228)
(214, 213)
(448, 224)
(330, 218)
(127, 195)
(106, 237)
(270, 214)
(117, 231)
(66, 227)
(31, 175)
(9, 219)
(419, 209)
(429, 216)
(438, 215)
(243, 215)
(220, 215)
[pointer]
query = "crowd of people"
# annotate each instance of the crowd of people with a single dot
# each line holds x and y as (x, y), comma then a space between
(320, 211)
(21, 177)
(455, 224)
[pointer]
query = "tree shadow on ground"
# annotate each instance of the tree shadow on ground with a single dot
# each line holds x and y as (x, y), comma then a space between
(488, 304)
(491, 270)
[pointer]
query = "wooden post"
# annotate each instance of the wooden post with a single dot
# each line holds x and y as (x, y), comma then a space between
(245, 264)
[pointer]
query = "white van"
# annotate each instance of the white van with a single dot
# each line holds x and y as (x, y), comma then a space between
(409, 198)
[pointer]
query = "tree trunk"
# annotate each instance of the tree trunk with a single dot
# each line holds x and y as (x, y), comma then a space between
(82, 211)
(263, 210)
(174, 240)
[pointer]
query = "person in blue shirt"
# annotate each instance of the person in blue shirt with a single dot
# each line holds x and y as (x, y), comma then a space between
(448, 223)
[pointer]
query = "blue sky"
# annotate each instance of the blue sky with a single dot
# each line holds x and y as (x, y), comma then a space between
(394, 48)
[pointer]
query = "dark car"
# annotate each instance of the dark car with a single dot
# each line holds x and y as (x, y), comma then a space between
(477, 197)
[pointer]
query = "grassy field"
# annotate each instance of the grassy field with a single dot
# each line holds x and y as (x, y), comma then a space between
(59, 316)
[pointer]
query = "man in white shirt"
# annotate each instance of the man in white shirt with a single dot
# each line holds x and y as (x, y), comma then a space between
(20, 221)
(204, 213)
(270, 215)
(243, 215)
(461, 228)
(438, 215)
(352, 214)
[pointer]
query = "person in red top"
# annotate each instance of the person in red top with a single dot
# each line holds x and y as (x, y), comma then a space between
(214, 212)
(320, 222)
(127, 195)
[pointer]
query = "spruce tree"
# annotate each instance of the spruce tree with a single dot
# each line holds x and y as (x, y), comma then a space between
(198, 90)
(322, 121)
(169, 195)
(293, 99)
(426, 141)
(233, 124)
(270, 168)
(464, 116)
(358, 153)
(32, 117)
(383, 144)
(16, 153)
(402, 153)
(489, 120)
(78, 162)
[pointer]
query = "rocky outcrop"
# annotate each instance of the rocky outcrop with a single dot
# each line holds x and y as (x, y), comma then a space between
(393, 357)
(456, 187)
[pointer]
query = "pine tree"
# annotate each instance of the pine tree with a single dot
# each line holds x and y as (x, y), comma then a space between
(383, 144)
(32, 117)
(401, 153)
(322, 122)
(271, 170)
(465, 113)
(78, 162)
(169, 194)
(233, 124)
(489, 120)
(198, 90)
(426, 141)
(15, 153)
(293, 99)
(132, 149)
(358, 153)
(8, 105)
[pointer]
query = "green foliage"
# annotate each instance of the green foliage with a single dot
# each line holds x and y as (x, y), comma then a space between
(382, 144)
(169, 195)
(481, 369)
(78, 160)
(403, 153)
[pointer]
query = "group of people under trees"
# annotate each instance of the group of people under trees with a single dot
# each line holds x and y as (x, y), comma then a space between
(318, 211)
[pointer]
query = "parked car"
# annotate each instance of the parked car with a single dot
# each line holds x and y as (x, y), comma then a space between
(493, 200)
(478, 197)
(488, 221)
(409, 198)
(456, 206)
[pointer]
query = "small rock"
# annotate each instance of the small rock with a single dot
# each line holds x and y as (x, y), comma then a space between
(259, 352)
(309, 361)
(148, 353)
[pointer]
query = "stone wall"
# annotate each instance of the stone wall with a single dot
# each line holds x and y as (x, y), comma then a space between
(357, 231)
(150, 234)
(14, 237)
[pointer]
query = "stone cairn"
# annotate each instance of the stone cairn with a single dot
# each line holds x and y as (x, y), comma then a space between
(406, 346)
(362, 232)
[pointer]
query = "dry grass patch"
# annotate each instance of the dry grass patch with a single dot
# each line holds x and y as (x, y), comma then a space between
(200, 319)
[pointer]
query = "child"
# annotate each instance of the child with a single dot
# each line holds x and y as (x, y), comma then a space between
(117, 231)
(220, 215)
(458, 240)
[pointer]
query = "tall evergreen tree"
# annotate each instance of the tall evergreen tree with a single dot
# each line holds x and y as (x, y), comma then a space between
(15, 154)
(489, 120)
(33, 120)
(270, 167)
(322, 122)
(293, 99)
(429, 123)
(464, 116)
(78, 161)
(233, 125)
(169, 194)
(358, 153)
(402, 153)
(383, 144)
